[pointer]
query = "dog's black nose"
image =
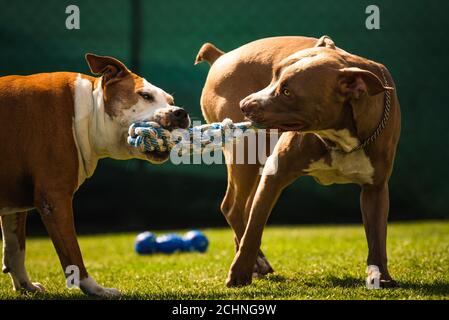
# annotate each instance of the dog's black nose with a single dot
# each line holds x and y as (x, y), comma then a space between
(179, 118)
(180, 114)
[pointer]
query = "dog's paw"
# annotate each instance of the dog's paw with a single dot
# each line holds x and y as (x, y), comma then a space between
(239, 275)
(30, 287)
(107, 293)
(377, 280)
(373, 279)
(262, 267)
(90, 287)
(36, 287)
(238, 280)
(241, 271)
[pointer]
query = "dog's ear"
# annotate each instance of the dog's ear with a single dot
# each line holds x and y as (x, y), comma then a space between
(325, 41)
(110, 68)
(353, 82)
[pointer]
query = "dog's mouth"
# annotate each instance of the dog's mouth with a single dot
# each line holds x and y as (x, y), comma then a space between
(157, 157)
(283, 127)
(294, 126)
(261, 122)
(169, 119)
(137, 146)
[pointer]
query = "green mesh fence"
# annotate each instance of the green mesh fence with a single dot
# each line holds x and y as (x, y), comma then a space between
(160, 39)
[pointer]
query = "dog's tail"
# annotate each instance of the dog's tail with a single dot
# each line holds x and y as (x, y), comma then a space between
(208, 52)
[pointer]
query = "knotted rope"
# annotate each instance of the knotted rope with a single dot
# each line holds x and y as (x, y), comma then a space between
(151, 136)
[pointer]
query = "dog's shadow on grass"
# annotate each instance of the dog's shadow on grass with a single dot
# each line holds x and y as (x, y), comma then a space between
(438, 288)
(429, 289)
(277, 278)
(345, 282)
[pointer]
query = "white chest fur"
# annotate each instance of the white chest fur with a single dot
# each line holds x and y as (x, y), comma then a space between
(354, 167)
(84, 104)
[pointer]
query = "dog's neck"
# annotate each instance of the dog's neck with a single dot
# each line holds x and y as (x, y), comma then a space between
(342, 134)
(96, 134)
(367, 112)
(357, 123)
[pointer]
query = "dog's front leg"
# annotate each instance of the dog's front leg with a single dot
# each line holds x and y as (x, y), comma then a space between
(374, 203)
(281, 169)
(242, 267)
(57, 215)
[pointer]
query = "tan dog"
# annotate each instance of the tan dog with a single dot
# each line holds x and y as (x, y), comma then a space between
(54, 128)
(341, 120)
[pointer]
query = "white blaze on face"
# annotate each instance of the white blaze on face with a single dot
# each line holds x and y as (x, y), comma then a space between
(144, 109)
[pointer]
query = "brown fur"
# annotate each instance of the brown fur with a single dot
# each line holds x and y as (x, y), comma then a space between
(236, 77)
(209, 53)
(36, 121)
(39, 163)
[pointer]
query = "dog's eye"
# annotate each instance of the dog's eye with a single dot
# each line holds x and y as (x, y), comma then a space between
(286, 92)
(146, 96)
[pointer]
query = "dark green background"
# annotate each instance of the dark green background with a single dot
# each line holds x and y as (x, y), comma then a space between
(412, 42)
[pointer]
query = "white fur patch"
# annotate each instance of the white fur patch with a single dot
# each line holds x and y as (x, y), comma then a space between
(143, 109)
(373, 279)
(354, 167)
(14, 257)
(342, 137)
(345, 168)
(84, 105)
(99, 135)
(106, 134)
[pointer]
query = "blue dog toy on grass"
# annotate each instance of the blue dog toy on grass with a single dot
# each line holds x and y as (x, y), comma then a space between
(148, 243)
(150, 136)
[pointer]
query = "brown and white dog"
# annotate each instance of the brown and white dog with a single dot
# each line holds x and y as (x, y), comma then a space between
(328, 103)
(54, 127)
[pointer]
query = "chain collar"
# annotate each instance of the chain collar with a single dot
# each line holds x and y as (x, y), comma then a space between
(380, 127)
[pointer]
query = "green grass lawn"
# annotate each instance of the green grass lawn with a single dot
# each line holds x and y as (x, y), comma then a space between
(324, 262)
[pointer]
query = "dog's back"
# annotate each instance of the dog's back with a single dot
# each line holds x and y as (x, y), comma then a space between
(240, 72)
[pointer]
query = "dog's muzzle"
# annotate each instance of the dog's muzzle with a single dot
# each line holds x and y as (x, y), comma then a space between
(172, 118)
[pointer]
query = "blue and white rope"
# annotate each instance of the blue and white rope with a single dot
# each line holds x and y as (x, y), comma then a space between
(150, 136)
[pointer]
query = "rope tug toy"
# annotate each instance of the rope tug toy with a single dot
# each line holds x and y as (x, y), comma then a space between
(150, 136)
